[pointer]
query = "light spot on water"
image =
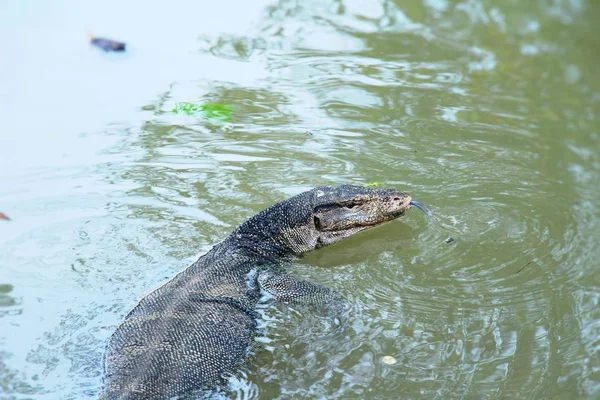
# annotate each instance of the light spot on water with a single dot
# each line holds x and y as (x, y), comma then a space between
(487, 60)
(389, 360)
(572, 74)
(529, 50)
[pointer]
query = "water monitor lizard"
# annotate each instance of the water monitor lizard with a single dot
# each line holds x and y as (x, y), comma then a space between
(186, 335)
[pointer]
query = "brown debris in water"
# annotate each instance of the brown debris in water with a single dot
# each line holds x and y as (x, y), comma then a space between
(106, 44)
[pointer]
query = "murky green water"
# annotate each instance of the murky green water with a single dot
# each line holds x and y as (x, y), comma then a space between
(485, 111)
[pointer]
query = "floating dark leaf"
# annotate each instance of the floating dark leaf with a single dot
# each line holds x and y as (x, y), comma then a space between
(107, 44)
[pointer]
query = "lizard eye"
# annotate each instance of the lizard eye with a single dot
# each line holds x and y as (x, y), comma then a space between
(350, 205)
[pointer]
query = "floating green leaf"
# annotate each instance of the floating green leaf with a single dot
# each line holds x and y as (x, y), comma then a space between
(219, 112)
(373, 184)
(186, 108)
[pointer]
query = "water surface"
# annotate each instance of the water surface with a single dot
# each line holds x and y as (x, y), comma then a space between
(486, 112)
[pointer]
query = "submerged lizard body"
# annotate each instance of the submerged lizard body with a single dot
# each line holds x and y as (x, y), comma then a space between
(185, 336)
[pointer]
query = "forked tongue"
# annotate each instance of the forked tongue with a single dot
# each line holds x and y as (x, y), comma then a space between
(432, 219)
(421, 207)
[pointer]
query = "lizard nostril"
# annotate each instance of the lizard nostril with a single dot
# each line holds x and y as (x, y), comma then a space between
(396, 198)
(317, 222)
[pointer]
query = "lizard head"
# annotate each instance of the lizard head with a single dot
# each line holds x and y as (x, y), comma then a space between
(319, 217)
(339, 212)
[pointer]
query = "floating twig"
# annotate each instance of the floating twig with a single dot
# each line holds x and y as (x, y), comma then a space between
(523, 267)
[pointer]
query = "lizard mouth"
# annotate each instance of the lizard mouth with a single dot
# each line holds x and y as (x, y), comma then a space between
(354, 215)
